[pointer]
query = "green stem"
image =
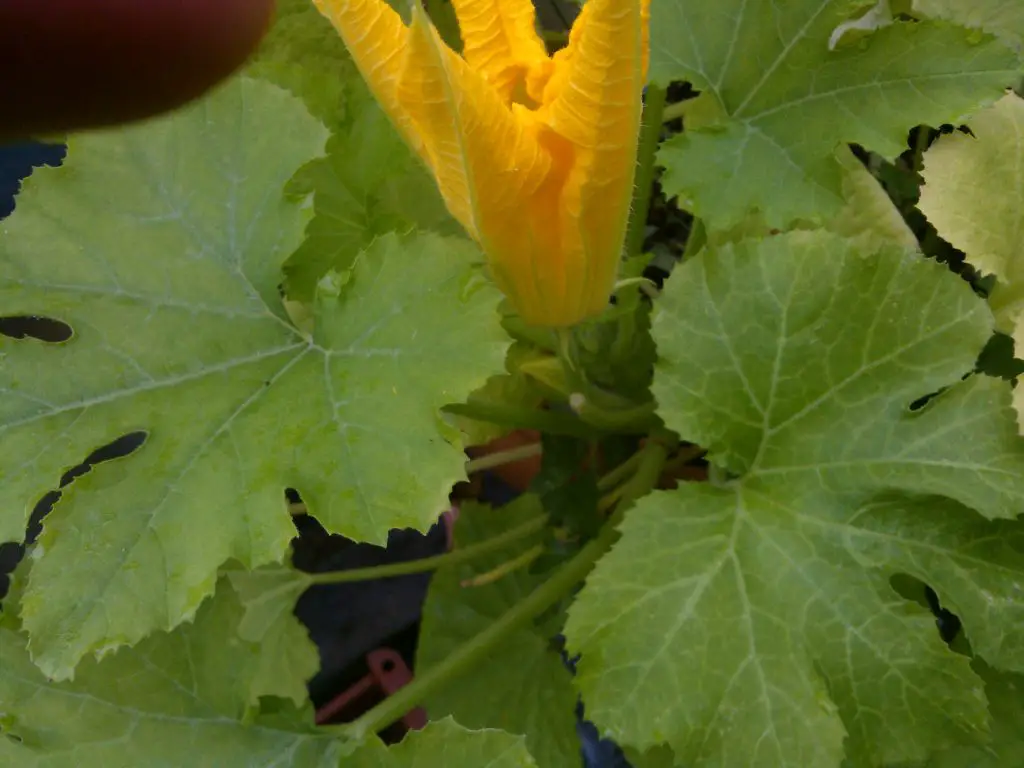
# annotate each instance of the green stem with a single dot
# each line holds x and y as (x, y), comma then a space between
(635, 419)
(477, 650)
(673, 112)
(500, 458)
(650, 134)
(519, 417)
(651, 463)
(449, 559)
(620, 473)
(509, 566)
(684, 457)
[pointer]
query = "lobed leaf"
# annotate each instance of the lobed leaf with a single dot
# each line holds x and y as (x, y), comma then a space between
(777, 100)
(160, 247)
(750, 621)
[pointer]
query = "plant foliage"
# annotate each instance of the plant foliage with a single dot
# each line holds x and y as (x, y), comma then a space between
(777, 517)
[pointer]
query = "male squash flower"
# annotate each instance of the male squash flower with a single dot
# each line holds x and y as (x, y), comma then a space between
(534, 155)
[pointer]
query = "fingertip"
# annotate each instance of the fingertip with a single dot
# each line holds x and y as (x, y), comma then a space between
(73, 64)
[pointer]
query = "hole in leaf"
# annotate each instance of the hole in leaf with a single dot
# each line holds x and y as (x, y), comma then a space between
(915, 590)
(999, 358)
(921, 402)
(123, 446)
(12, 554)
(35, 327)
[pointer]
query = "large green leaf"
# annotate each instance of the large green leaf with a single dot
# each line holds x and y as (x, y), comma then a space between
(523, 687)
(161, 247)
(173, 700)
(750, 621)
(445, 743)
(776, 102)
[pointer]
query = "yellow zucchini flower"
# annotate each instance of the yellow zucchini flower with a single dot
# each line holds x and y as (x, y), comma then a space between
(533, 154)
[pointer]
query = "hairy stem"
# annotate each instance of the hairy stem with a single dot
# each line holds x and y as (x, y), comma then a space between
(674, 111)
(500, 458)
(433, 563)
(509, 566)
(618, 474)
(477, 650)
(650, 134)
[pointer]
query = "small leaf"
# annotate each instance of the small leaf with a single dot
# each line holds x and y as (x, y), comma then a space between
(776, 102)
(445, 743)
(750, 621)
(288, 658)
(370, 184)
(523, 686)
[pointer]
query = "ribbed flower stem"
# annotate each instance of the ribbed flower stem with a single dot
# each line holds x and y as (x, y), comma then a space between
(650, 134)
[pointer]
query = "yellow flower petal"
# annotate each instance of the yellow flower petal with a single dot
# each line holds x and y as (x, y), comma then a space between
(593, 101)
(500, 41)
(377, 39)
(534, 156)
(485, 160)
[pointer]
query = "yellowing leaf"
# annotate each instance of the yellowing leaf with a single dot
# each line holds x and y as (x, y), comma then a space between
(974, 196)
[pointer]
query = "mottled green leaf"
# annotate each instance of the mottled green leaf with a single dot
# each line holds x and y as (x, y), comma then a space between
(173, 700)
(777, 101)
(160, 246)
(750, 621)
(523, 687)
